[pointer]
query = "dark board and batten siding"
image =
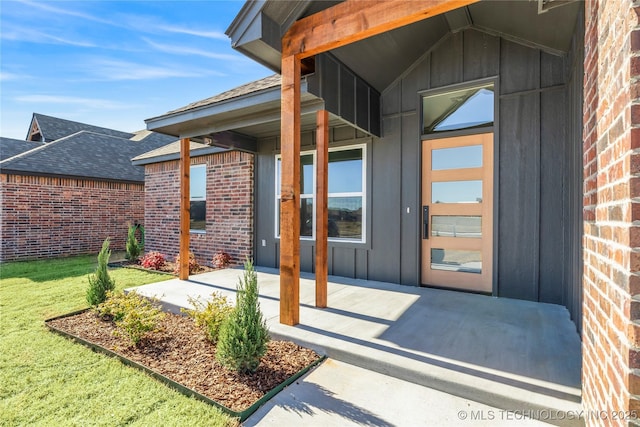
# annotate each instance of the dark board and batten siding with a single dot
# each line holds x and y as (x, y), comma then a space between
(537, 185)
(538, 152)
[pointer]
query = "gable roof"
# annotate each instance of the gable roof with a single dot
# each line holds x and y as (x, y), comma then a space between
(85, 155)
(52, 128)
(237, 92)
(258, 28)
(10, 147)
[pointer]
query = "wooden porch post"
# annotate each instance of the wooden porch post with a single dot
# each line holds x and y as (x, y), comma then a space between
(322, 212)
(336, 26)
(185, 164)
(290, 193)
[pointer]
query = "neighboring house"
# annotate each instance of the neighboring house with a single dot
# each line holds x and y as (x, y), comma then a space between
(491, 147)
(66, 196)
(47, 128)
(12, 147)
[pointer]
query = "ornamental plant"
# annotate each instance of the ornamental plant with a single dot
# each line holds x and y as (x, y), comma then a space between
(153, 260)
(193, 264)
(244, 335)
(133, 314)
(210, 316)
(100, 282)
(134, 248)
(221, 259)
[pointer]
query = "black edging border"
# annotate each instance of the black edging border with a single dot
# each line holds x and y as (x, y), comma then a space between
(242, 415)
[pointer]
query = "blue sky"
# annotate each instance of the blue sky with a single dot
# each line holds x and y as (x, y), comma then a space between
(114, 63)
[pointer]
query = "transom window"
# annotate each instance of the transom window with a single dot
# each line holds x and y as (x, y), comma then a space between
(467, 108)
(198, 198)
(346, 194)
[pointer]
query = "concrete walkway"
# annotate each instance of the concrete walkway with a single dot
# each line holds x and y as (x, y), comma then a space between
(508, 354)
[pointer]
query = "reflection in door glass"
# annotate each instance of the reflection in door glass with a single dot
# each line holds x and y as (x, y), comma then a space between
(456, 226)
(456, 192)
(457, 158)
(456, 260)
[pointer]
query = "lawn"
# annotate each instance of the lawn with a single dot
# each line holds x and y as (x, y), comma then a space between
(48, 380)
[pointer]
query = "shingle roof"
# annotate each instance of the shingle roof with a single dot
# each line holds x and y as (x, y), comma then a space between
(52, 128)
(12, 147)
(172, 152)
(255, 86)
(87, 155)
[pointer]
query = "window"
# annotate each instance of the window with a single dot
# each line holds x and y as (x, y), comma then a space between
(463, 109)
(198, 198)
(346, 197)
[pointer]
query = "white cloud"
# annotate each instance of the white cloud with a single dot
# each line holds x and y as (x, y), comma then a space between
(185, 50)
(5, 76)
(94, 103)
(124, 70)
(30, 35)
(193, 32)
(47, 7)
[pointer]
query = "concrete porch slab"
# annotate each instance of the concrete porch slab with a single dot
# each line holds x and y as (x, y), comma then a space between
(509, 354)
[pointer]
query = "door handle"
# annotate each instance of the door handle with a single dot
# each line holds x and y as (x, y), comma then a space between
(425, 222)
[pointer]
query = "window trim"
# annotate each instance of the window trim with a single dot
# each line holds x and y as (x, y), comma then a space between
(198, 199)
(362, 194)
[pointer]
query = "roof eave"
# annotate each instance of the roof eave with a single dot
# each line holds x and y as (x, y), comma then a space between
(163, 124)
(5, 171)
(176, 156)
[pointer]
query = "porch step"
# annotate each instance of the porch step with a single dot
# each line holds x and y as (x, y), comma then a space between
(548, 403)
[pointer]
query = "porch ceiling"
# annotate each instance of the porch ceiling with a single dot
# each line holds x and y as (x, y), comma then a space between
(379, 60)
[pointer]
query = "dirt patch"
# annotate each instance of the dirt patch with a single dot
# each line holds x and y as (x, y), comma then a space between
(182, 353)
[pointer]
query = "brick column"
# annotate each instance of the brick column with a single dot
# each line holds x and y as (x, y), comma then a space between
(611, 308)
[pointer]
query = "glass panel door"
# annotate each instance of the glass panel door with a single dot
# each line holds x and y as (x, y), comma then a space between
(457, 233)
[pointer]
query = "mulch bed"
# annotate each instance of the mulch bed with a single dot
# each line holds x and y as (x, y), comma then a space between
(169, 267)
(181, 352)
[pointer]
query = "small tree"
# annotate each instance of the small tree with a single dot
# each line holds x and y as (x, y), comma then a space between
(244, 335)
(100, 282)
(134, 248)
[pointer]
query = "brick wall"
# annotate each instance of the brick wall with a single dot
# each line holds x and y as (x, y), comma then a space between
(45, 217)
(611, 308)
(229, 206)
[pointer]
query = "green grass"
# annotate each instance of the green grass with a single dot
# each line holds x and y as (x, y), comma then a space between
(47, 380)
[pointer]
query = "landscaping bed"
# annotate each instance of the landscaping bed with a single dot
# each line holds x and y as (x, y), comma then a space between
(168, 268)
(180, 352)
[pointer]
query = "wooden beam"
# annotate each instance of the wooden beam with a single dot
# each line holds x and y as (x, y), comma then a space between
(322, 211)
(185, 164)
(355, 20)
(290, 193)
(234, 140)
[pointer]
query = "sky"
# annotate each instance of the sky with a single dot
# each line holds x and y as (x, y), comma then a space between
(114, 63)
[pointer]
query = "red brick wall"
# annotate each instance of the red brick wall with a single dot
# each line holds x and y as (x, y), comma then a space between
(229, 225)
(45, 217)
(611, 335)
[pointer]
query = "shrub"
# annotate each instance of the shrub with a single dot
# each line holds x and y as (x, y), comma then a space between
(244, 335)
(133, 314)
(153, 260)
(133, 247)
(193, 264)
(211, 315)
(100, 282)
(221, 259)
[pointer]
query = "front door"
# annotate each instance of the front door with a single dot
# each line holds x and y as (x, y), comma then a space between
(457, 209)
